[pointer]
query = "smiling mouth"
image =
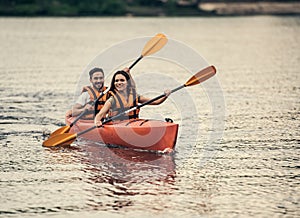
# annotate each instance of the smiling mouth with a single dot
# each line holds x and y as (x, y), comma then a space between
(120, 86)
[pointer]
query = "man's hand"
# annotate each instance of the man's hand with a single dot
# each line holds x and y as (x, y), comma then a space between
(69, 113)
(88, 107)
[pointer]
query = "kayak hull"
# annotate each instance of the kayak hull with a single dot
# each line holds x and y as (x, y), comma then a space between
(142, 134)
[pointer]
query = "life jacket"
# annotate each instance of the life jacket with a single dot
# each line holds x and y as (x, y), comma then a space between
(122, 105)
(94, 94)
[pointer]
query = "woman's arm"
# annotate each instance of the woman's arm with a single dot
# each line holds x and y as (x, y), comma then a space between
(104, 110)
(143, 99)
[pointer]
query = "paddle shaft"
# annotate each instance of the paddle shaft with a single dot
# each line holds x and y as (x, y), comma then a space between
(136, 61)
(146, 103)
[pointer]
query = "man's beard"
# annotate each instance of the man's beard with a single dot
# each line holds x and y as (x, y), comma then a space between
(95, 86)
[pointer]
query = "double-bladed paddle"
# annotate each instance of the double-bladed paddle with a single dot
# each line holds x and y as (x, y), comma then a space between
(68, 138)
(152, 46)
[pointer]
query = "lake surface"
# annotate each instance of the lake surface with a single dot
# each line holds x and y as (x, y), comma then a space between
(237, 152)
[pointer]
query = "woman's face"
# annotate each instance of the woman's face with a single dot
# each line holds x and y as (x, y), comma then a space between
(120, 82)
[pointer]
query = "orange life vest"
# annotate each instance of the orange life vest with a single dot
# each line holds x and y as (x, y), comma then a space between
(122, 105)
(94, 94)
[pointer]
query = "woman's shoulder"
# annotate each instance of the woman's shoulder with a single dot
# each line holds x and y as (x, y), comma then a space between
(111, 99)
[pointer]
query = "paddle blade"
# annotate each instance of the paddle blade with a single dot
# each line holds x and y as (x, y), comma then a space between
(60, 140)
(61, 130)
(154, 44)
(201, 76)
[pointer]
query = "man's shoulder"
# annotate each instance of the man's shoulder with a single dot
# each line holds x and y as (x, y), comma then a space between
(85, 89)
(83, 98)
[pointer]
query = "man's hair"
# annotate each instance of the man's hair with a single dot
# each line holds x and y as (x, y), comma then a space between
(94, 70)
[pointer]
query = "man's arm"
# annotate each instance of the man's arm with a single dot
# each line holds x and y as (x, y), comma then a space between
(82, 104)
(78, 108)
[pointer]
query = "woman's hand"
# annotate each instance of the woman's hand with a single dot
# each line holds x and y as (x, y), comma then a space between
(97, 121)
(102, 113)
(127, 70)
(167, 92)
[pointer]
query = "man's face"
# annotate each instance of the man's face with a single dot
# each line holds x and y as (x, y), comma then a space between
(97, 80)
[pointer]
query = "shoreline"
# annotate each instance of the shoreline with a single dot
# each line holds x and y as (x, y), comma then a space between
(251, 8)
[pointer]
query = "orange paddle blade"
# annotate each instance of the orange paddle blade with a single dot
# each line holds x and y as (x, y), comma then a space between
(61, 130)
(154, 44)
(62, 139)
(201, 76)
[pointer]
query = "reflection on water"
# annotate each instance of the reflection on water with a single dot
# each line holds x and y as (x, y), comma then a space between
(118, 165)
(115, 177)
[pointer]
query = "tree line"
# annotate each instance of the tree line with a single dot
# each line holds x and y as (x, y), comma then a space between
(103, 7)
(97, 7)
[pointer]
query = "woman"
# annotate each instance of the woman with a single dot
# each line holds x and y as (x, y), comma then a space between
(123, 96)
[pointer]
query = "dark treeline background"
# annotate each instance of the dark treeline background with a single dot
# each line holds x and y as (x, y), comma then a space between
(104, 7)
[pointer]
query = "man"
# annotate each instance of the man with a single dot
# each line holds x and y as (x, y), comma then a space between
(86, 101)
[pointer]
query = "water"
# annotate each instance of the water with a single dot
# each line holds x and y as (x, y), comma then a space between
(252, 171)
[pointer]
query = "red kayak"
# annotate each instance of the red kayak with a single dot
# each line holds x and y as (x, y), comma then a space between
(154, 135)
